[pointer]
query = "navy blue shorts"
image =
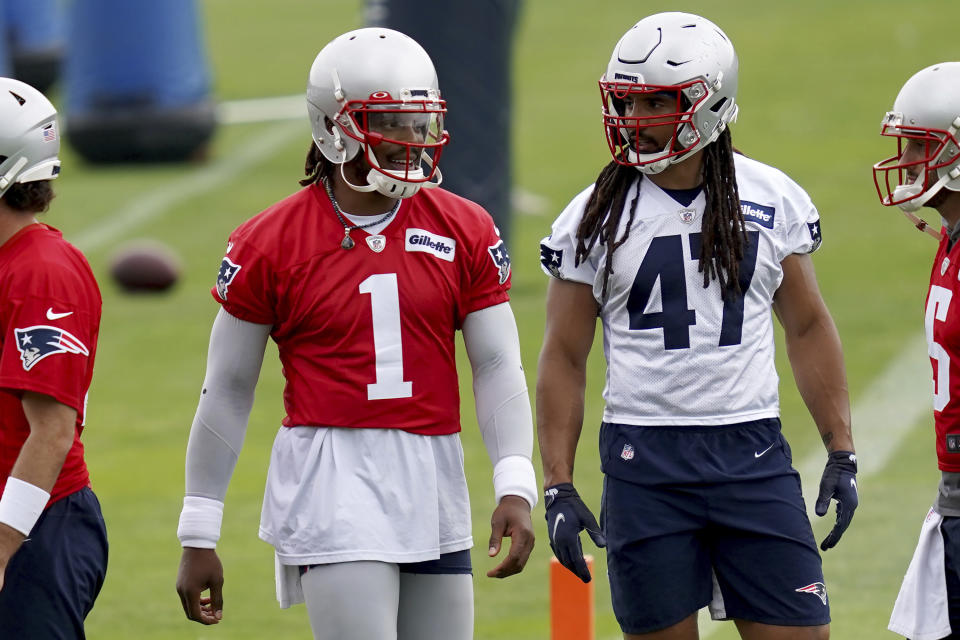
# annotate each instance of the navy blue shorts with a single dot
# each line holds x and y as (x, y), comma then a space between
(52, 581)
(950, 530)
(686, 506)
(456, 562)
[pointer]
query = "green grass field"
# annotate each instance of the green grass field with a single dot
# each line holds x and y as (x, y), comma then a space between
(816, 78)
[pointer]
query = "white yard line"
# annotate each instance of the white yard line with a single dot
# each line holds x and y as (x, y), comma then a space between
(155, 204)
(294, 107)
(263, 109)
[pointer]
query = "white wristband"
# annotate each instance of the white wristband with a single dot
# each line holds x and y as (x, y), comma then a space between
(200, 522)
(21, 505)
(514, 476)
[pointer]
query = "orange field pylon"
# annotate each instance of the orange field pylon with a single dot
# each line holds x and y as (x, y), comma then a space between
(571, 603)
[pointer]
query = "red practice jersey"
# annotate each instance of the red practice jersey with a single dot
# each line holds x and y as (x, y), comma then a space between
(943, 344)
(49, 322)
(366, 335)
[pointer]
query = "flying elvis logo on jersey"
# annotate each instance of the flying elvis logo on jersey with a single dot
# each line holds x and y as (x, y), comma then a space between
(228, 271)
(753, 212)
(552, 260)
(37, 342)
(814, 228)
(500, 258)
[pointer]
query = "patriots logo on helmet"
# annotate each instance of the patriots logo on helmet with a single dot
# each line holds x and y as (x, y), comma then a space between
(37, 342)
(228, 271)
(500, 258)
(817, 588)
(552, 260)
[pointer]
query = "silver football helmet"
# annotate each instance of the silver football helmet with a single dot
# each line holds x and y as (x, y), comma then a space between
(685, 58)
(925, 114)
(373, 86)
(29, 138)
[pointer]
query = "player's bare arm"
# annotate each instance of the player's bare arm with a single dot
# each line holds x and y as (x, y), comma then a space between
(51, 435)
(561, 383)
(813, 347)
(562, 376)
(814, 350)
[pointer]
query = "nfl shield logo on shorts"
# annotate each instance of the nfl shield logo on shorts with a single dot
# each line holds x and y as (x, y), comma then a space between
(628, 452)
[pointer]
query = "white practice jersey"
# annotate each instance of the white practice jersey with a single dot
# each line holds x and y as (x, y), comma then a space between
(676, 353)
(340, 495)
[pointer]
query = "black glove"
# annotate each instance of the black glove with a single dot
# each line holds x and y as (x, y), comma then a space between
(839, 482)
(566, 517)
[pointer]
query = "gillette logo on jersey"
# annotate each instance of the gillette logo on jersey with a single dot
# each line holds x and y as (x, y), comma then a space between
(441, 247)
(38, 342)
(753, 212)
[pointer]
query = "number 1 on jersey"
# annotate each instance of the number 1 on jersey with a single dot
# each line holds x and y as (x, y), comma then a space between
(387, 344)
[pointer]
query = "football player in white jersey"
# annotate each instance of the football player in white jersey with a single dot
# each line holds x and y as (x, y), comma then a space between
(362, 278)
(682, 248)
(925, 172)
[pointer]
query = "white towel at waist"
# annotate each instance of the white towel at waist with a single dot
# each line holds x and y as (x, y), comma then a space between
(920, 612)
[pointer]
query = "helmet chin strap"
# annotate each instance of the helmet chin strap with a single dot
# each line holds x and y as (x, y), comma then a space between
(657, 166)
(910, 190)
(916, 203)
(390, 184)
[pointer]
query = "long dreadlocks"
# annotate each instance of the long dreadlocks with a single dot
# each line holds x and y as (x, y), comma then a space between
(316, 167)
(724, 235)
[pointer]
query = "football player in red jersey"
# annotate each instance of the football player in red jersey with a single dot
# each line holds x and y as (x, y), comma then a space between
(925, 172)
(53, 543)
(362, 278)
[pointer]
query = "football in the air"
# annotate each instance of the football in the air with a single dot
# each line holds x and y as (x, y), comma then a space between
(145, 266)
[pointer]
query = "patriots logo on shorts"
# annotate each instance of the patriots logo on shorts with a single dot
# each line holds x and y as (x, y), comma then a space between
(500, 258)
(37, 342)
(552, 260)
(228, 271)
(817, 588)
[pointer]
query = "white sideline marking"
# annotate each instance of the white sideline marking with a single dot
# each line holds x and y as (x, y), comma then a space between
(156, 203)
(263, 109)
(295, 108)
